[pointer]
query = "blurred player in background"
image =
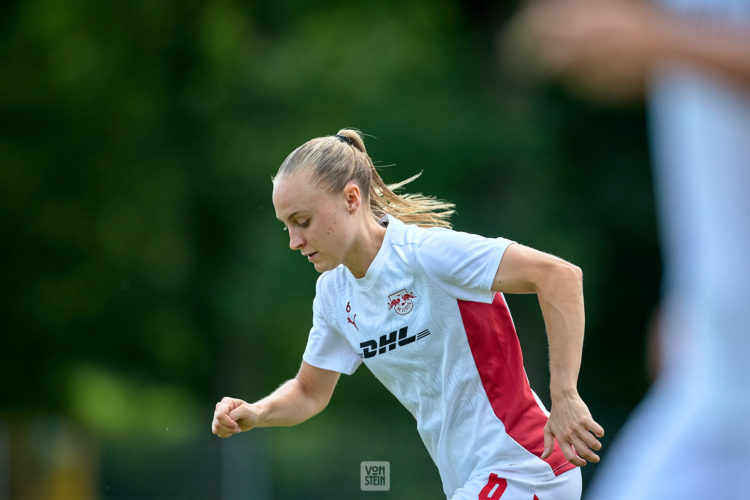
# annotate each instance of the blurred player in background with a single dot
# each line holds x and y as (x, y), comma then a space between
(422, 306)
(690, 437)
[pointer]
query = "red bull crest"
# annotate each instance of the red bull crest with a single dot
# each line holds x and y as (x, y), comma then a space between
(402, 301)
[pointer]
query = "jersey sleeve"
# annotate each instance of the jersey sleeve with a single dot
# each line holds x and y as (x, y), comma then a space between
(326, 347)
(464, 265)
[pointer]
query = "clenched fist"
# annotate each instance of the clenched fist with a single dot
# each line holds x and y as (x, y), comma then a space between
(234, 415)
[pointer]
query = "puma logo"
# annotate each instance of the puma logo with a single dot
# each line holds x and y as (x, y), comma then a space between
(352, 321)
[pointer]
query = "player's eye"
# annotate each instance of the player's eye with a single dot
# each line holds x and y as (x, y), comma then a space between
(303, 223)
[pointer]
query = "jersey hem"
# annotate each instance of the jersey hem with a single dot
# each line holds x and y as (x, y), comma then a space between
(563, 468)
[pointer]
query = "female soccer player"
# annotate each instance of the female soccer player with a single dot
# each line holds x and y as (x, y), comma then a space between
(422, 306)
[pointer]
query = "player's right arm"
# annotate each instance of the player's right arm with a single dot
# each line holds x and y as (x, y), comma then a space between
(295, 401)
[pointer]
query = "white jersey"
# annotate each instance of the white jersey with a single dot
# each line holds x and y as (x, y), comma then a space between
(425, 322)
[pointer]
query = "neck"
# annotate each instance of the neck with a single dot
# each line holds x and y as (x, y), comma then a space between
(365, 247)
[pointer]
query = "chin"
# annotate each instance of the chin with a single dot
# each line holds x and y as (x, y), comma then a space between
(322, 267)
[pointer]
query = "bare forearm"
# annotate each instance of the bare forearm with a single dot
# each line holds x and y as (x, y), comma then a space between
(288, 405)
(561, 299)
(722, 49)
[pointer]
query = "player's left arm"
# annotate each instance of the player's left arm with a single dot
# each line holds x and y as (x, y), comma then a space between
(559, 288)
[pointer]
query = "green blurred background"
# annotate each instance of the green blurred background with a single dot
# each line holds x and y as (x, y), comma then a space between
(144, 275)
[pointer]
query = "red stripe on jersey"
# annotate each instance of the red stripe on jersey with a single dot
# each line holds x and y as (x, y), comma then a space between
(497, 355)
(494, 488)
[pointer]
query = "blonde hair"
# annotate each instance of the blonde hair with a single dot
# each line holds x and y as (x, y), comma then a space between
(335, 160)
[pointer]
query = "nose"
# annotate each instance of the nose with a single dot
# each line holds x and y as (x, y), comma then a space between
(295, 239)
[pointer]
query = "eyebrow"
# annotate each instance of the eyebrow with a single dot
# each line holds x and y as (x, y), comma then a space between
(291, 216)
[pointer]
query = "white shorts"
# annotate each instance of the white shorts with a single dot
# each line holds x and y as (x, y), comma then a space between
(566, 486)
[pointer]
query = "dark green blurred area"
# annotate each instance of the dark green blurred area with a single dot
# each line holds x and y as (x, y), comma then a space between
(145, 276)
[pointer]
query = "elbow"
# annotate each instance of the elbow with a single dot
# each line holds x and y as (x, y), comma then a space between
(570, 272)
(563, 275)
(319, 404)
(317, 399)
(320, 401)
(323, 403)
(576, 271)
(571, 278)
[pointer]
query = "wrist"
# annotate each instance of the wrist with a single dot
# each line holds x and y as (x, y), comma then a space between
(262, 411)
(562, 391)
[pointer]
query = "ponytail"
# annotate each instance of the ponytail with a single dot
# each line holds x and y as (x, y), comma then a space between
(334, 161)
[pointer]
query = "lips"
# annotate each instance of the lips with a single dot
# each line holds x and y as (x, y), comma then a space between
(311, 256)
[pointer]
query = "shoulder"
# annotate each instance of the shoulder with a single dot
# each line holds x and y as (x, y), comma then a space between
(404, 242)
(428, 243)
(411, 235)
(400, 233)
(439, 240)
(466, 258)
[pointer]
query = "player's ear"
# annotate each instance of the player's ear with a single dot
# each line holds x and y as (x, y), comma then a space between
(353, 197)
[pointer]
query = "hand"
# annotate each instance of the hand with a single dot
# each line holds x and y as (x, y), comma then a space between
(570, 422)
(604, 49)
(234, 415)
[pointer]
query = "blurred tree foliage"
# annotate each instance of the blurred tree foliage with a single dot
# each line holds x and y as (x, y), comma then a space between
(140, 256)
